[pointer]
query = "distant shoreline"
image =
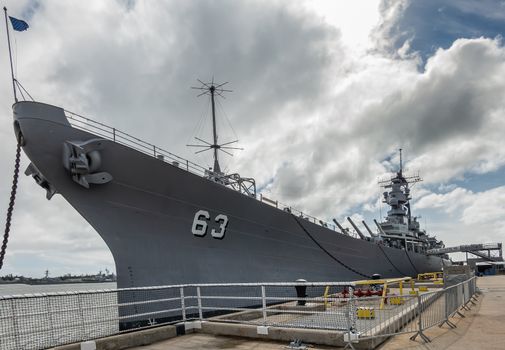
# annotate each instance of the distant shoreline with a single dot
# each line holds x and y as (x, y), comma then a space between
(39, 283)
(65, 279)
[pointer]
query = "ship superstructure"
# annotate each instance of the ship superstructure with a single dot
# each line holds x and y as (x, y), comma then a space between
(400, 229)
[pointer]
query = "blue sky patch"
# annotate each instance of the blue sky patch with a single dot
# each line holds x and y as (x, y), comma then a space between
(431, 24)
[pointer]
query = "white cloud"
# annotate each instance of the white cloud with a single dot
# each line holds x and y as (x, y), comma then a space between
(486, 208)
(354, 19)
(462, 216)
(445, 119)
(449, 202)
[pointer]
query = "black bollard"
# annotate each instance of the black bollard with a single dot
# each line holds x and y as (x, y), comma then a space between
(375, 276)
(301, 292)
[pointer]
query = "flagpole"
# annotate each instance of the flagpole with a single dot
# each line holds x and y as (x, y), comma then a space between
(10, 55)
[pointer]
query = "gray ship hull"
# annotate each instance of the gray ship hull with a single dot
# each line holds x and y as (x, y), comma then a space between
(145, 216)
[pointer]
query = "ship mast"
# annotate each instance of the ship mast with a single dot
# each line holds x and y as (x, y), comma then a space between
(214, 146)
(401, 164)
(213, 90)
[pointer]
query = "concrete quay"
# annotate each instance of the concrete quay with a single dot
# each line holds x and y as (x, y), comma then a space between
(482, 328)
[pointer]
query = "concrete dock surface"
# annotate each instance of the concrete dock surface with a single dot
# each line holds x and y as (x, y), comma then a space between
(212, 342)
(482, 328)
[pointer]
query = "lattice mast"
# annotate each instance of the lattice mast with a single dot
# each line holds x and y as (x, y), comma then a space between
(212, 90)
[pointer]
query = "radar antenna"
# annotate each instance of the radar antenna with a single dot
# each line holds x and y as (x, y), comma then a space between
(386, 183)
(211, 89)
(401, 164)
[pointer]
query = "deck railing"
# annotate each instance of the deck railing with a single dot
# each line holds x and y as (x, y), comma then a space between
(123, 138)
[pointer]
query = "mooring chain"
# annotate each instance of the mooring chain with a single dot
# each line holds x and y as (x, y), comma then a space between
(11, 204)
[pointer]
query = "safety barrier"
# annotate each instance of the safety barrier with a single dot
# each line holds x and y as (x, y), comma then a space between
(40, 321)
(430, 276)
(419, 313)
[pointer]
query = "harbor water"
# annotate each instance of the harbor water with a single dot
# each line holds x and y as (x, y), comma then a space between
(15, 289)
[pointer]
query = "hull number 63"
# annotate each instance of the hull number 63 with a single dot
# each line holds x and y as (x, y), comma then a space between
(200, 225)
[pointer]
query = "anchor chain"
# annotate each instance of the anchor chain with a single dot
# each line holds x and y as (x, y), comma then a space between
(11, 204)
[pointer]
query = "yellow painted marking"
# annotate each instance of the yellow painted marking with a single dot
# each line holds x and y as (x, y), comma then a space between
(365, 312)
(397, 300)
(326, 290)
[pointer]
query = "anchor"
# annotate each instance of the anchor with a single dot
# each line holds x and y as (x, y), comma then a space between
(82, 159)
(32, 170)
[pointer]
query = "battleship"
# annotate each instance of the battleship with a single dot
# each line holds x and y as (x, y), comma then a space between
(168, 221)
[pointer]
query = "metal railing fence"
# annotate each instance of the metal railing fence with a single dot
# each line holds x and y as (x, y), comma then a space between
(121, 137)
(39, 321)
(419, 313)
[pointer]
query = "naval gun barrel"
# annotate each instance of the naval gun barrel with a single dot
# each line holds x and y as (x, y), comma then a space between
(379, 227)
(362, 236)
(368, 229)
(343, 230)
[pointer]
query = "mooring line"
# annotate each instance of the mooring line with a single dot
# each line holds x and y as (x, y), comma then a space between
(327, 252)
(387, 257)
(411, 262)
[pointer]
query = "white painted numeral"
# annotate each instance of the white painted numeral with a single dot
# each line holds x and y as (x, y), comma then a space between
(199, 227)
(223, 219)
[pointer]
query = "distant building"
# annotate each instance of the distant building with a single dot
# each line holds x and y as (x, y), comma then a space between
(484, 268)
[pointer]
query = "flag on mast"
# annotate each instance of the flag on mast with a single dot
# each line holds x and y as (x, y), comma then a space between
(18, 24)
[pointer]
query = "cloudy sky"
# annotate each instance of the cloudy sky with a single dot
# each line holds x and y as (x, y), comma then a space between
(324, 93)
